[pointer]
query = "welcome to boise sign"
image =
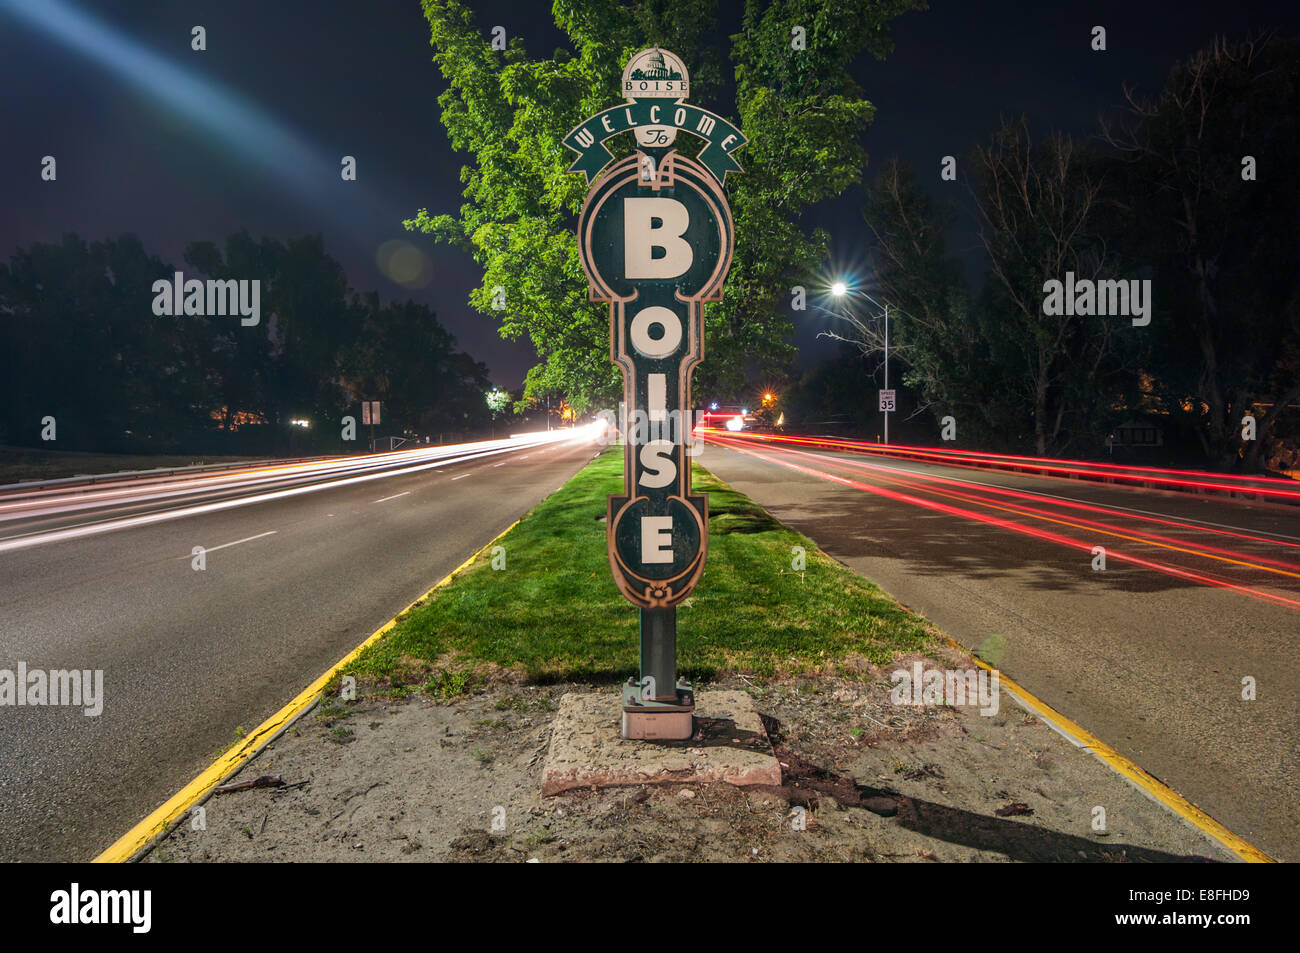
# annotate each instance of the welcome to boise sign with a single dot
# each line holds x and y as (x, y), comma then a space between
(656, 238)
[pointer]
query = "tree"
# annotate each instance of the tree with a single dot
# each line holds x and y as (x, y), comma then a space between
(498, 402)
(80, 342)
(799, 107)
(82, 345)
(935, 334)
(290, 363)
(1039, 204)
(1226, 266)
(408, 360)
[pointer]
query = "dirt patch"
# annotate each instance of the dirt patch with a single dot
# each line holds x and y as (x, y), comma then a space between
(864, 780)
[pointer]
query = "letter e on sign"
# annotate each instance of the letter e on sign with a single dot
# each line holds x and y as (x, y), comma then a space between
(656, 539)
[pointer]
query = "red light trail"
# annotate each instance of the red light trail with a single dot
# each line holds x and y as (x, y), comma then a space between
(998, 498)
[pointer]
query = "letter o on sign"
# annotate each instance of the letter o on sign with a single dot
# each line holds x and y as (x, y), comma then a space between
(647, 318)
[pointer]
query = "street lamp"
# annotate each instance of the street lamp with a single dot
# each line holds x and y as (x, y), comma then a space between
(839, 290)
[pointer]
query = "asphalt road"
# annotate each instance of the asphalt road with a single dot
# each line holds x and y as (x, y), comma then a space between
(1149, 654)
(301, 565)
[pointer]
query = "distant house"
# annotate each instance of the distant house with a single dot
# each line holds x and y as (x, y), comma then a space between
(1138, 432)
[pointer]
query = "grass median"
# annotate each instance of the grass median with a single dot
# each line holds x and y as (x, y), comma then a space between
(553, 613)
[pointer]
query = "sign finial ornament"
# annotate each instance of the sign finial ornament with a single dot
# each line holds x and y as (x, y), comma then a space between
(656, 74)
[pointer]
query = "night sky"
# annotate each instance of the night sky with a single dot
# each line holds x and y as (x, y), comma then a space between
(178, 146)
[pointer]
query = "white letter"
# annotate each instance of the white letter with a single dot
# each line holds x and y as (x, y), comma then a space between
(660, 470)
(255, 312)
(94, 699)
(641, 236)
(1140, 296)
(657, 396)
(648, 317)
(162, 302)
(656, 539)
(1052, 303)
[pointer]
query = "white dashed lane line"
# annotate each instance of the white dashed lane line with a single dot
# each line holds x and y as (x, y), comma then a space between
(246, 539)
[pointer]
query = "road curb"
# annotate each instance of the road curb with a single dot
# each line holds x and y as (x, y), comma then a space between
(1133, 773)
(161, 820)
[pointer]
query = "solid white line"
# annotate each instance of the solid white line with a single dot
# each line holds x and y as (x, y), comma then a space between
(393, 497)
(247, 539)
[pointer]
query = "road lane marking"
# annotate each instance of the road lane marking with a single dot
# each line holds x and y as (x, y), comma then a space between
(178, 805)
(495, 465)
(461, 477)
(393, 497)
(1131, 772)
(247, 539)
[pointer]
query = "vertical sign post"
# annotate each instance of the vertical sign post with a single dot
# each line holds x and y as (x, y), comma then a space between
(655, 237)
(370, 415)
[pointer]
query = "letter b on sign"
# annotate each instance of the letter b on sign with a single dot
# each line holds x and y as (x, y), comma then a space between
(653, 246)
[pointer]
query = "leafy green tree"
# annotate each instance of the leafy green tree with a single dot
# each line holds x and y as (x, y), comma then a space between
(800, 109)
(79, 342)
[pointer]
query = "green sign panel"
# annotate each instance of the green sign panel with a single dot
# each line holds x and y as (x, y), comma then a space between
(655, 237)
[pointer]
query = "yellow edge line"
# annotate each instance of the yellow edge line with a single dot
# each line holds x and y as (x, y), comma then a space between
(1117, 762)
(140, 836)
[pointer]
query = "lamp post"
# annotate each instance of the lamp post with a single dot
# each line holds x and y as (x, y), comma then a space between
(839, 290)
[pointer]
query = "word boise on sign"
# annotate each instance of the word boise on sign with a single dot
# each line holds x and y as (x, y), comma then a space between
(655, 237)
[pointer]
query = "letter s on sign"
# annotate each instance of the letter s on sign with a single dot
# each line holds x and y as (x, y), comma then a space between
(656, 457)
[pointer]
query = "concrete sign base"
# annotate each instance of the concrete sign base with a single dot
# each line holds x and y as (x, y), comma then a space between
(587, 748)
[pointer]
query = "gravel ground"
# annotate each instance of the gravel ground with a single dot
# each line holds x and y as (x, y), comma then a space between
(865, 780)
